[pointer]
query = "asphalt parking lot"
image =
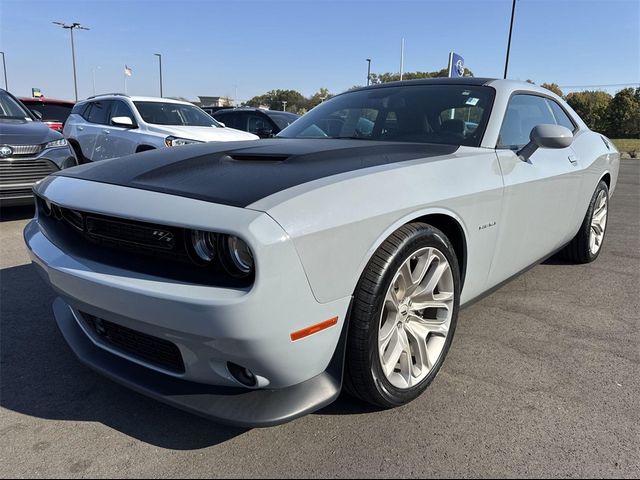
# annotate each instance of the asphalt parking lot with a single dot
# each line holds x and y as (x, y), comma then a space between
(543, 379)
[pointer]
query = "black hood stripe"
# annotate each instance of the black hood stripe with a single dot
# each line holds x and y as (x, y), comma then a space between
(241, 173)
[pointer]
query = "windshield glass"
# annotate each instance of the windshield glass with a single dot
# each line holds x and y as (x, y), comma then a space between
(10, 108)
(50, 111)
(160, 113)
(283, 120)
(448, 114)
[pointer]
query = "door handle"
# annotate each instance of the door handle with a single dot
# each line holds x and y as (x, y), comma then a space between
(573, 159)
(80, 128)
(106, 132)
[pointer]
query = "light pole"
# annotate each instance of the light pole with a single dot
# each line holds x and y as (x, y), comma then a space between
(4, 67)
(71, 27)
(160, 60)
(284, 105)
(506, 63)
(93, 77)
(368, 71)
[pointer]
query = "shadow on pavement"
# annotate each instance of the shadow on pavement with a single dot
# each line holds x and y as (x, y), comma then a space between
(42, 378)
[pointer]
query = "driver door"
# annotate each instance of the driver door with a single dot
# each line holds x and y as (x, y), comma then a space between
(540, 195)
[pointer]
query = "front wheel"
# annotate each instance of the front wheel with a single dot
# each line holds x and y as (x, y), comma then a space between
(404, 317)
(587, 244)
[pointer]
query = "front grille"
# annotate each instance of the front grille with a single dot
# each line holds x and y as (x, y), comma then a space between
(153, 350)
(150, 236)
(20, 150)
(21, 172)
(8, 193)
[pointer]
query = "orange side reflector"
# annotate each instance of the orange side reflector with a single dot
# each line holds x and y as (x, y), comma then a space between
(305, 332)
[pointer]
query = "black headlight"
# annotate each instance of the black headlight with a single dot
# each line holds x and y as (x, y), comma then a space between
(236, 256)
(204, 246)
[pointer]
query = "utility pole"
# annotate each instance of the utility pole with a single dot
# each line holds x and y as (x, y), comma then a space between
(401, 59)
(71, 27)
(368, 71)
(160, 60)
(506, 63)
(4, 67)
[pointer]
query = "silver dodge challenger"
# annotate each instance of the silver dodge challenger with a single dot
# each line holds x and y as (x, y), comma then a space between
(249, 281)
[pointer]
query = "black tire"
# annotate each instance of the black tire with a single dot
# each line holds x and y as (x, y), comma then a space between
(364, 377)
(578, 251)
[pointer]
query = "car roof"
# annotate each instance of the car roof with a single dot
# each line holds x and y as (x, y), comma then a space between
(254, 109)
(47, 100)
(111, 96)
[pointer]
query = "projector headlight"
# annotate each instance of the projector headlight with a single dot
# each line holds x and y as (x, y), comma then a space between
(62, 142)
(236, 256)
(172, 141)
(204, 245)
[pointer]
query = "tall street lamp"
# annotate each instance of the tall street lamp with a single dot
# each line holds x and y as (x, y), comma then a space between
(4, 67)
(160, 60)
(71, 27)
(506, 63)
(368, 71)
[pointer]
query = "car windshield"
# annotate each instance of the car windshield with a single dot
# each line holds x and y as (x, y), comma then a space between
(160, 113)
(10, 108)
(283, 120)
(448, 114)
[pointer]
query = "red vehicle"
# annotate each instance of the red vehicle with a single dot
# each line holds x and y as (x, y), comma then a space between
(52, 112)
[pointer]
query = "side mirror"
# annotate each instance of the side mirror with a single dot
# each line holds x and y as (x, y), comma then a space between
(546, 136)
(221, 124)
(264, 132)
(125, 122)
(37, 114)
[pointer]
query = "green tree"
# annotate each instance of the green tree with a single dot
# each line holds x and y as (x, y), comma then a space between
(592, 107)
(274, 99)
(623, 114)
(318, 97)
(554, 88)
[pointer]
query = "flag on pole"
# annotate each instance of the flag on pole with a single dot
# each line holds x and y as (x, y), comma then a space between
(456, 65)
(127, 71)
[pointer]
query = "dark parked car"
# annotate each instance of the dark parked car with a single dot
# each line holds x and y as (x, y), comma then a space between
(264, 123)
(52, 112)
(29, 151)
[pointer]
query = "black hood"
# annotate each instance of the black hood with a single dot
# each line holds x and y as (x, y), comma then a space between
(241, 173)
(15, 131)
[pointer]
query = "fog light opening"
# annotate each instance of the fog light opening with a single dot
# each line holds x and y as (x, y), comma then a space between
(57, 212)
(242, 375)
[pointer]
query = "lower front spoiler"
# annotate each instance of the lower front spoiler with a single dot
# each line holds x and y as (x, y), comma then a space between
(233, 406)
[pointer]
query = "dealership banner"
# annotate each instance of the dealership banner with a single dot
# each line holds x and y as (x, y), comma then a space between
(456, 65)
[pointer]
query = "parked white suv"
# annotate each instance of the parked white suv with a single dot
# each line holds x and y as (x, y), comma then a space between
(114, 125)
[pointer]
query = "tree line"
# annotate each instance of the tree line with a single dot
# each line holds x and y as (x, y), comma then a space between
(616, 116)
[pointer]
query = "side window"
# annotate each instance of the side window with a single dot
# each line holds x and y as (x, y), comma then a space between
(258, 122)
(523, 114)
(561, 117)
(121, 109)
(79, 108)
(229, 119)
(99, 112)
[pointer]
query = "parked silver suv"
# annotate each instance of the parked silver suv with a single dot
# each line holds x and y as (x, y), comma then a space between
(114, 125)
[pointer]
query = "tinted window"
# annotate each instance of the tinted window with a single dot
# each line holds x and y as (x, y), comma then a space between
(561, 117)
(523, 114)
(79, 108)
(257, 122)
(283, 120)
(51, 111)
(405, 114)
(121, 109)
(99, 112)
(229, 119)
(160, 113)
(11, 108)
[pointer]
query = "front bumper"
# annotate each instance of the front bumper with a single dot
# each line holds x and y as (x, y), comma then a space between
(231, 405)
(210, 325)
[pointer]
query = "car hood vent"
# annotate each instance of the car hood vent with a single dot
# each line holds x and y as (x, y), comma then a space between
(243, 157)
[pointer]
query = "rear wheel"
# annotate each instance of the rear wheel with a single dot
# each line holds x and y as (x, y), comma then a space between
(404, 317)
(587, 244)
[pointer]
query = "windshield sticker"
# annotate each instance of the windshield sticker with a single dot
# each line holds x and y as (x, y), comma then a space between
(472, 101)
(466, 92)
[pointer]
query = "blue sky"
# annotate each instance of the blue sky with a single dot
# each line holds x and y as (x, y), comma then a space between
(210, 47)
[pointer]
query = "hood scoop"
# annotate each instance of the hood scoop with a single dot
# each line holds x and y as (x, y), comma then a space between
(253, 157)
